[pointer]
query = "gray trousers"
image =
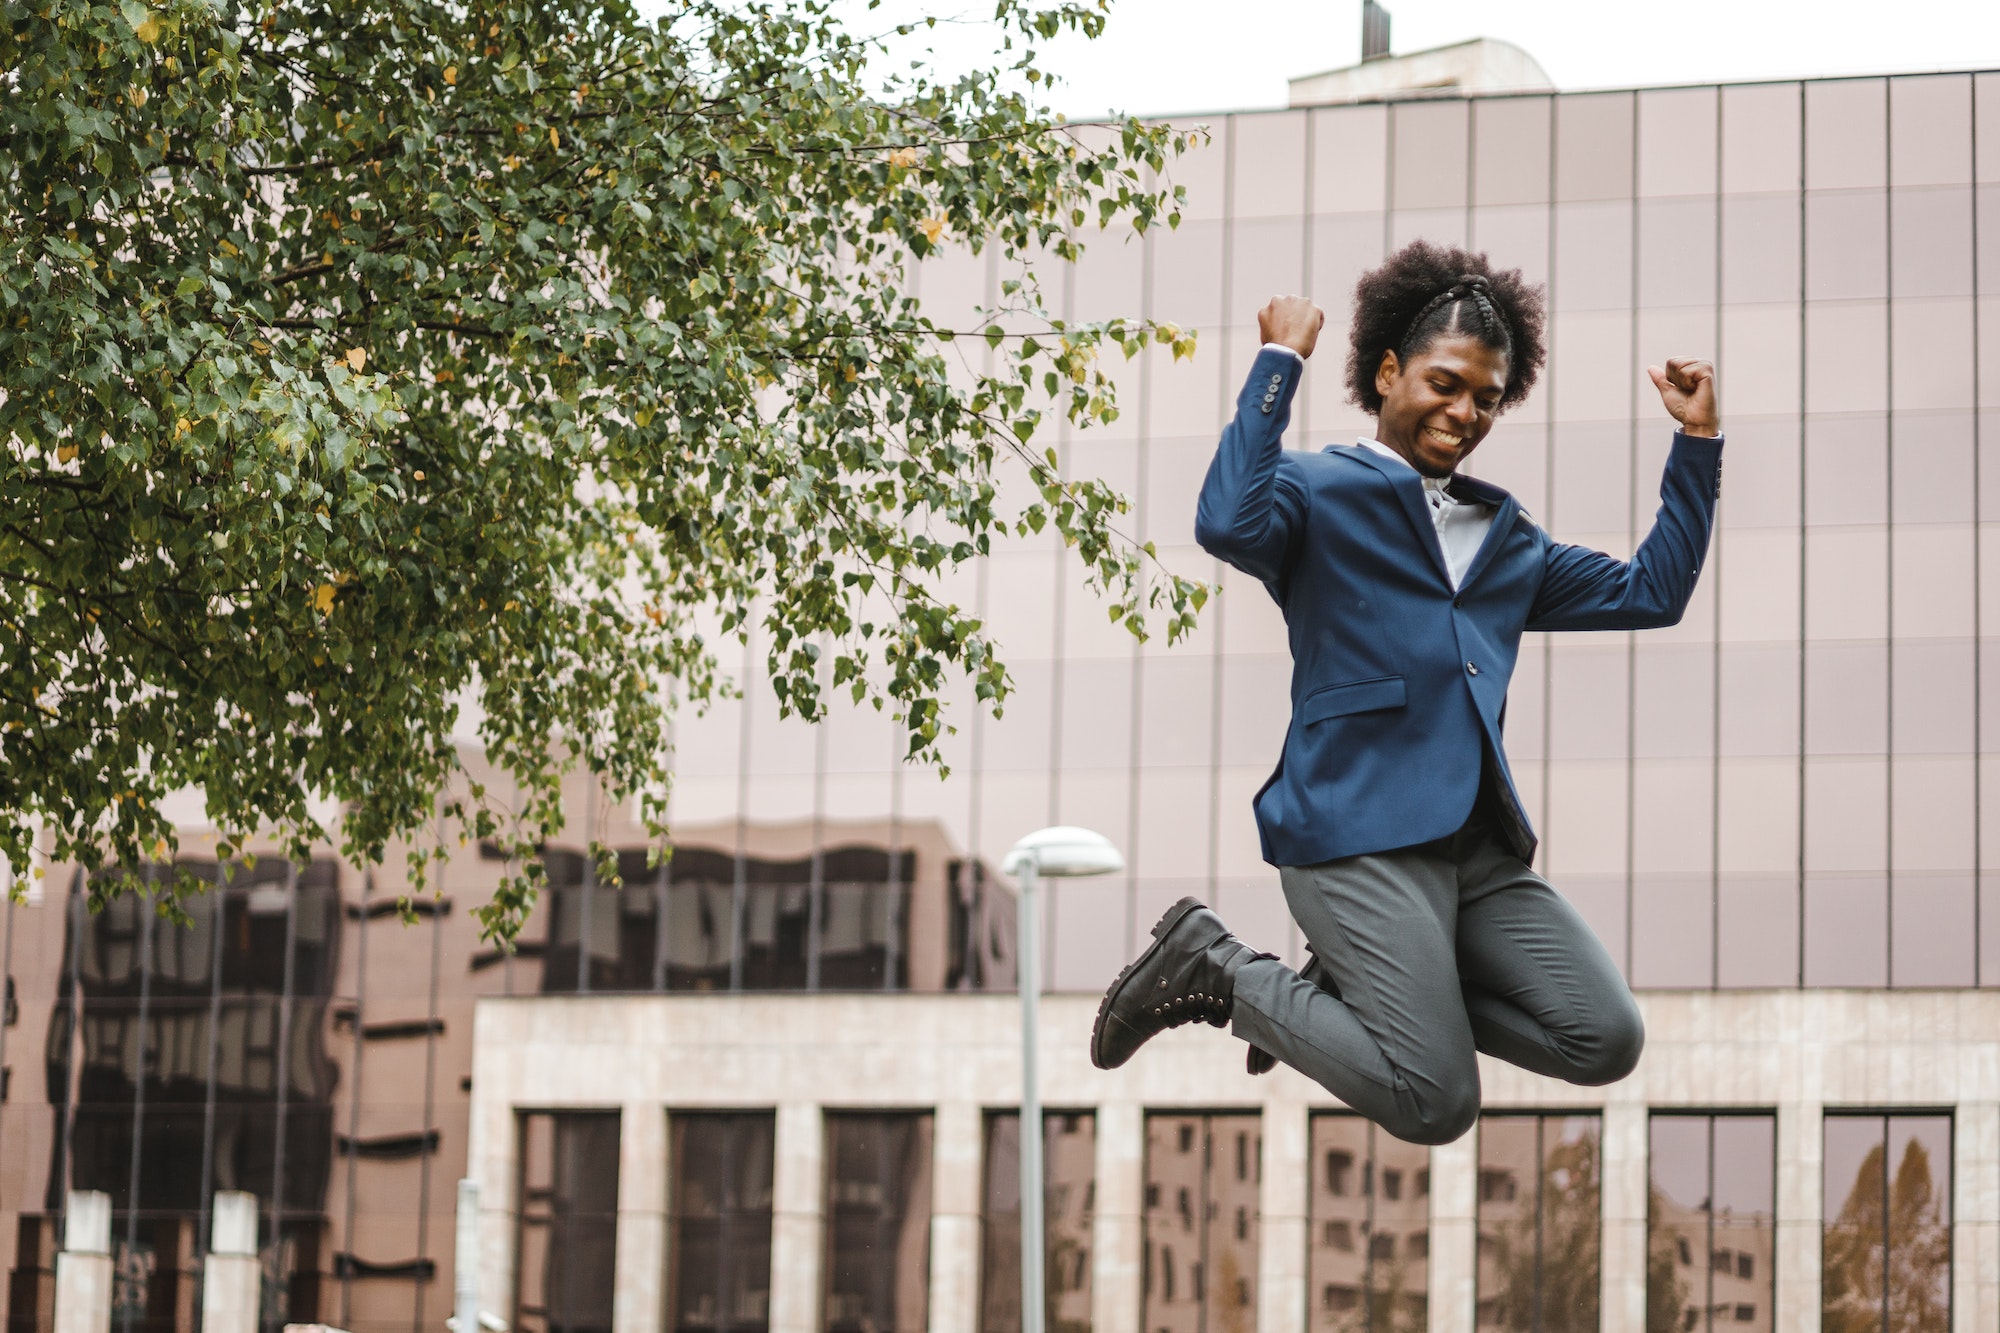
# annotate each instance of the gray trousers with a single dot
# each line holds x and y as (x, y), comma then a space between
(1438, 951)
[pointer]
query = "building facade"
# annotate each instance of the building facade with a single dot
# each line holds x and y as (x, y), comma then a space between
(691, 1106)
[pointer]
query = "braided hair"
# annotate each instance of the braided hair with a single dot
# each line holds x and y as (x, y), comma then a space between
(1424, 292)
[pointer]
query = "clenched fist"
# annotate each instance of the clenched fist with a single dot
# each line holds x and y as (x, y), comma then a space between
(1293, 321)
(1687, 387)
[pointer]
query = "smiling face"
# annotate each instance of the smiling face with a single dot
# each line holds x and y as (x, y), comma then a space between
(1438, 407)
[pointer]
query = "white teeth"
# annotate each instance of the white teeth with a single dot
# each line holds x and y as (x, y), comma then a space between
(1442, 438)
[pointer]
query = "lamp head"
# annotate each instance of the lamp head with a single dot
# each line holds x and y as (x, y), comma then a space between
(1064, 852)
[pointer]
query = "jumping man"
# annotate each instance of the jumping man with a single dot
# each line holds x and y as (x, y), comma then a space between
(1400, 841)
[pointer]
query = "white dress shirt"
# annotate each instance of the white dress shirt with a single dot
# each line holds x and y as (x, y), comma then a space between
(1461, 525)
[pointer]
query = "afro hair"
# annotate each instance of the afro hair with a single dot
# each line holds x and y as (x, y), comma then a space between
(1425, 290)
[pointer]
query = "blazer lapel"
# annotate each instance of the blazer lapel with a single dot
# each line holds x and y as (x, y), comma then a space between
(1503, 522)
(1403, 480)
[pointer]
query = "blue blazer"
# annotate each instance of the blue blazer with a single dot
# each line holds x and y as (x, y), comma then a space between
(1399, 684)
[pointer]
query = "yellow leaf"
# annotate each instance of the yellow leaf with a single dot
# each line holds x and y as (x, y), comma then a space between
(932, 228)
(138, 95)
(418, 475)
(322, 598)
(181, 427)
(905, 157)
(847, 373)
(356, 358)
(451, 74)
(228, 248)
(554, 141)
(66, 454)
(149, 31)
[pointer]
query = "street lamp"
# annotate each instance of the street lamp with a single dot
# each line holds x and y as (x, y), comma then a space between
(1059, 853)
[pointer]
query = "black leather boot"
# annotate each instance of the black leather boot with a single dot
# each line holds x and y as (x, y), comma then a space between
(1261, 1061)
(1185, 975)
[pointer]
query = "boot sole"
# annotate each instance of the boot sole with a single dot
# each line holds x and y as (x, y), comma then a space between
(1160, 929)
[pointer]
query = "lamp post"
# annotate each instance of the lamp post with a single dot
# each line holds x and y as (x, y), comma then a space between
(1058, 853)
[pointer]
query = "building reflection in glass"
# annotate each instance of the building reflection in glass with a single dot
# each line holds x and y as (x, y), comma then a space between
(1069, 1209)
(1711, 1224)
(719, 1250)
(567, 1227)
(1368, 1268)
(878, 1222)
(1202, 1174)
(1538, 1259)
(1885, 1250)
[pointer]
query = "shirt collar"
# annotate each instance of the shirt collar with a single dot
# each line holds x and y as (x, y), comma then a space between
(1437, 485)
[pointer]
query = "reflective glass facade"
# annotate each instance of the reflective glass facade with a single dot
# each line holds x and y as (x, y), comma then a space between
(1712, 1224)
(1069, 1210)
(1885, 1251)
(1369, 1230)
(1540, 1194)
(1202, 1176)
(719, 1243)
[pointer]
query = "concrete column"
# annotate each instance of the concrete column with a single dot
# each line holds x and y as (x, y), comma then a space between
(1281, 1227)
(797, 1218)
(83, 1268)
(1801, 1150)
(1622, 1170)
(955, 1218)
(493, 1159)
(1975, 1238)
(1117, 1271)
(230, 1276)
(1454, 1277)
(638, 1296)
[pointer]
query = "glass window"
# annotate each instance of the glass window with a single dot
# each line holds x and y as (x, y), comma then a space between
(1677, 141)
(1932, 937)
(1510, 150)
(1846, 470)
(1930, 130)
(1672, 936)
(1368, 1238)
(1760, 137)
(1538, 1223)
(1847, 683)
(1757, 931)
(1430, 147)
(1677, 252)
(1885, 1247)
(1847, 133)
(878, 1222)
(1069, 1210)
(1202, 1175)
(1593, 256)
(835, 921)
(1847, 244)
(1846, 929)
(1760, 248)
(719, 1251)
(567, 1227)
(1268, 171)
(1711, 1223)
(1594, 146)
(1930, 241)
(1349, 165)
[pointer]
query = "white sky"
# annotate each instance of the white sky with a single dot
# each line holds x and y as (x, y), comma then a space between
(1165, 56)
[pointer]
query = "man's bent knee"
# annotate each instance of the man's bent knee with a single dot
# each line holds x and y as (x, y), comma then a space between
(1440, 1118)
(1616, 1041)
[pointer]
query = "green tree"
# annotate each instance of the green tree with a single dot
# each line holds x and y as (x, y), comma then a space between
(1667, 1296)
(366, 363)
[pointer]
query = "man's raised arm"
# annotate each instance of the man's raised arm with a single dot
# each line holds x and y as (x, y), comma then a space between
(1586, 589)
(1247, 514)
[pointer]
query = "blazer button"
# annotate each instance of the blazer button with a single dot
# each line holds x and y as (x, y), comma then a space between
(1471, 670)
